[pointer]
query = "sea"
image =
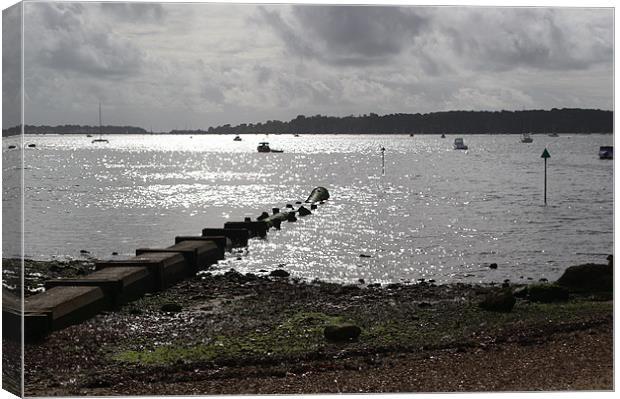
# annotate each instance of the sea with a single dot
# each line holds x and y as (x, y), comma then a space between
(418, 210)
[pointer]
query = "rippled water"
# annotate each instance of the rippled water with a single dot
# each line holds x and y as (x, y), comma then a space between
(436, 214)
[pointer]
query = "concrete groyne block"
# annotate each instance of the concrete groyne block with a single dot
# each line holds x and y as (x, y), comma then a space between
(256, 229)
(239, 237)
(59, 307)
(119, 284)
(166, 268)
(222, 242)
(198, 253)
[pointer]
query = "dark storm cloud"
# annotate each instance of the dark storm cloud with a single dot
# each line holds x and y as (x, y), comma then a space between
(347, 35)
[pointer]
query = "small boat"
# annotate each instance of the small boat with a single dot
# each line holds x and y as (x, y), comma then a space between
(32, 145)
(554, 135)
(237, 138)
(459, 144)
(295, 135)
(264, 147)
(410, 134)
(89, 135)
(100, 139)
(526, 138)
(443, 136)
(606, 152)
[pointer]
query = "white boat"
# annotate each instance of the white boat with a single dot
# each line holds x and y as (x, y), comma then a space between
(459, 144)
(100, 139)
(237, 138)
(526, 138)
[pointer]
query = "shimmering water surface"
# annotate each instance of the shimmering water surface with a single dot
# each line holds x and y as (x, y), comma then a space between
(436, 214)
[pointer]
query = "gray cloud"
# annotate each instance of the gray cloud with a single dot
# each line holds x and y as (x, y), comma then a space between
(76, 43)
(347, 35)
(133, 12)
(175, 65)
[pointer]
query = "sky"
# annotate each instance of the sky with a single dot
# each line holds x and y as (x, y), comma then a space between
(190, 66)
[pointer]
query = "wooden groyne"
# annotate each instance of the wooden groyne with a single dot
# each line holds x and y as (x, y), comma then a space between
(115, 282)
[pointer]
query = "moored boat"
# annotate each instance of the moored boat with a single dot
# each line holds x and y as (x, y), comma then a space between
(526, 138)
(606, 152)
(264, 147)
(459, 144)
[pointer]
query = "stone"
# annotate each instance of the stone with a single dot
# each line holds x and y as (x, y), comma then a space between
(493, 266)
(520, 292)
(498, 301)
(547, 293)
(279, 273)
(342, 332)
(589, 277)
(364, 256)
(171, 307)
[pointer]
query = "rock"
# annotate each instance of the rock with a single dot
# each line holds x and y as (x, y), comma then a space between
(393, 286)
(262, 216)
(364, 256)
(589, 277)
(361, 281)
(547, 293)
(279, 273)
(610, 260)
(424, 305)
(499, 301)
(342, 332)
(520, 292)
(543, 280)
(114, 253)
(83, 251)
(374, 285)
(291, 217)
(135, 311)
(171, 307)
(493, 266)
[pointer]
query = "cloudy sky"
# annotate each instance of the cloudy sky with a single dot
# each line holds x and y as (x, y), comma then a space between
(167, 66)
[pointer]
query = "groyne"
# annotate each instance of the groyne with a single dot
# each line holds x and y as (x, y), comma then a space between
(115, 282)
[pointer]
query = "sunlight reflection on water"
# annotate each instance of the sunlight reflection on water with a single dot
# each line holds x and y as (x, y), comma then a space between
(436, 214)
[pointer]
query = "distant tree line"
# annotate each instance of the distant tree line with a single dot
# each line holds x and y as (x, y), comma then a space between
(565, 120)
(74, 129)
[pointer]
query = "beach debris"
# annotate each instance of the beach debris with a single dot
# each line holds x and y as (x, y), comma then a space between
(588, 277)
(279, 273)
(342, 332)
(171, 307)
(547, 293)
(493, 266)
(499, 301)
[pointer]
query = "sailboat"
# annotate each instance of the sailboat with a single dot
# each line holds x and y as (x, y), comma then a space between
(100, 139)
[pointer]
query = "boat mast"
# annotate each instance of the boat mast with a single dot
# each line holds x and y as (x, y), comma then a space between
(99, 119)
